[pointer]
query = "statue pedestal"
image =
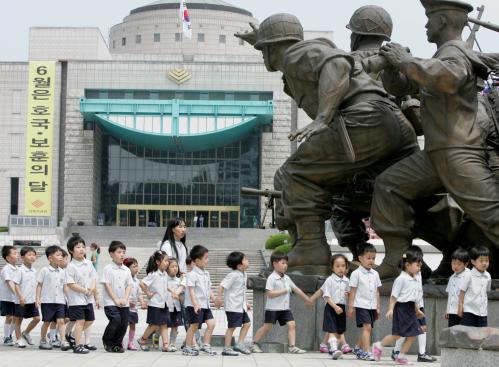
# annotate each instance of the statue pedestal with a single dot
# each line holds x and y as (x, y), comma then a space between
(309, 320)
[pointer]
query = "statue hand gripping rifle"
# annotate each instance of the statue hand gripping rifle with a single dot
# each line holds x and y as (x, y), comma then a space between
(356, 128)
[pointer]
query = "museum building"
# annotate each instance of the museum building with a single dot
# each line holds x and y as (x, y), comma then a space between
(145, 126)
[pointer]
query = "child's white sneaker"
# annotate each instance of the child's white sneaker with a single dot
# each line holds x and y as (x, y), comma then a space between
(255, 348)
(295, 350)
(20, 343)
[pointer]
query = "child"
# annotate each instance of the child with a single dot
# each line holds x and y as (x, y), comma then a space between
(198, 340)
(25, 307)
(233, 289)
(404, 307)
(135, 299)
(8, 293)
(460, 260)
(278, 289)
(94, 258)
(174, 306)
(155, 286)
(81, 285)
(50, 296)
(365, 298)
(117, 283)
(423, 355)
(476, 283)
(197, 301)
(335, 290)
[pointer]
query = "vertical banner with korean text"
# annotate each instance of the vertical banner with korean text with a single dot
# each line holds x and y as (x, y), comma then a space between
(39, 139)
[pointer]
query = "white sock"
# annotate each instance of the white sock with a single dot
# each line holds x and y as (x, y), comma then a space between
(333, 343)
(52, 334)
(12, 328)
(88, 333)
(6, 330)
(398, 344)
(422, 343)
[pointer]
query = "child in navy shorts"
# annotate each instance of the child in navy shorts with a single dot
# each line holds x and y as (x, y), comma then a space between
(50, 296)
(365, 298)
(335, 292)
(8, 293)
(25, 307)
(460, 259)
(233, 289)
(404, 306)
(198, 295)
(155, 286)
(135, 301)
(476, 283)
(278, 289)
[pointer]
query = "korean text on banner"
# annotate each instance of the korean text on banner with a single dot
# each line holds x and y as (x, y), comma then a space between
(39, 139)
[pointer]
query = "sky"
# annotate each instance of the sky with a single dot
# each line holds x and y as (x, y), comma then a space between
(17, 16)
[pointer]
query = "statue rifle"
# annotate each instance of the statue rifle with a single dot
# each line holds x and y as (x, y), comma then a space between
(472, 37)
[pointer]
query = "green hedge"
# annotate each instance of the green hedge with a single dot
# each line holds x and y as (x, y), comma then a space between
(277, 240)
(284, 248)
(4, 229)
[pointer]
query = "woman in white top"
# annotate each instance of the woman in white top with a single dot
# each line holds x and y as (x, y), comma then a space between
(173, 242)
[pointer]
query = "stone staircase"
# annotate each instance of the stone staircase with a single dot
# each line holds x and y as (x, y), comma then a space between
(218, 269)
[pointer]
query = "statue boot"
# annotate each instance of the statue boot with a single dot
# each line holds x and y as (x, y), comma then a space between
(394, 249)
(311, 254)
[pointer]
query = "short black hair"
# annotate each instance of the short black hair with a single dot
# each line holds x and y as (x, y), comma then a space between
(277, 256)
(6, 251)
(72, 242)
(234, 259)
(461, 254)
(364, 247)
(188, 260)
(49, 251)
(64, 253)
(477, 251)
(114, 245)
(26, 249)
(197, 252)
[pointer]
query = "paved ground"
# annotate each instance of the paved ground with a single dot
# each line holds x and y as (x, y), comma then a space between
(35, 358)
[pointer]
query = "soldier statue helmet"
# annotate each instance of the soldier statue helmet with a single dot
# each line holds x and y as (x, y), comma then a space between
(371, 20)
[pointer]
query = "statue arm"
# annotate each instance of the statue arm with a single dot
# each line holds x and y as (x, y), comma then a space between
(489, 59)
(397, 84)
(334, 83)
(443, 75)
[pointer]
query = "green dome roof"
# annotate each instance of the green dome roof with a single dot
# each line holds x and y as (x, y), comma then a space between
(194, 4)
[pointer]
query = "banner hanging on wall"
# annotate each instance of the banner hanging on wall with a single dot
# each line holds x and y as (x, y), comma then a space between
(39, 139)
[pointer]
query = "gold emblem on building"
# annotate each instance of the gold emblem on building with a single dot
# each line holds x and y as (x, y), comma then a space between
(179, 75)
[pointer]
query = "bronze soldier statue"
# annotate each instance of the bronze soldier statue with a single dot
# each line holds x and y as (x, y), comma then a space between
(356, 127)
(455, 156)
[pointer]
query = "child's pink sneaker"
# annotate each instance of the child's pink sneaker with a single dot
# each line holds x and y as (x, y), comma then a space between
(323, 348)
(345, 349)
(131, 346)
(377, 351)
(401, 360)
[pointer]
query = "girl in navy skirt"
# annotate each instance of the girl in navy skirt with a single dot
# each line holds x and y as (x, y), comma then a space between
(135, 301)
(404, 306)
(335, 293)
(174, 306)
(155, 286)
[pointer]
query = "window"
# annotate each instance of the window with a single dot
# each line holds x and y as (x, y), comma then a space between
(200, 37)
(138, 38)
(178, 37)
(221, 38)
(123, 41)
(157, 37)
(16, 101)
(14, 195)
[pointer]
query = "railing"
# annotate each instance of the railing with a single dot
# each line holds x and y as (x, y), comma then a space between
(24, 221)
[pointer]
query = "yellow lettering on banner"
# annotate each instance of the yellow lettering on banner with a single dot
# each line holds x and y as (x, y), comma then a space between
(39, 139)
